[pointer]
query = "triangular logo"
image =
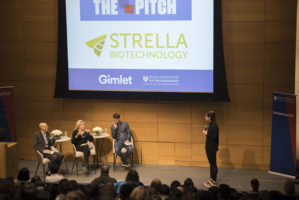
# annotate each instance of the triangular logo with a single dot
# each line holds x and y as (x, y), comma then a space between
(97, 44)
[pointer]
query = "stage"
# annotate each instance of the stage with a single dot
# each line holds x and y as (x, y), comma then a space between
(237, 178)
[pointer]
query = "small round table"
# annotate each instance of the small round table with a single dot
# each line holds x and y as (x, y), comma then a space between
(60, 142)
(99, 145)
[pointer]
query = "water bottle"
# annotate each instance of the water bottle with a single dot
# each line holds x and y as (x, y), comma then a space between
(105, 130)
(65, 134)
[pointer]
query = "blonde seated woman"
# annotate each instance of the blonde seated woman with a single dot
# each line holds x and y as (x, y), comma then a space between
(79, 139)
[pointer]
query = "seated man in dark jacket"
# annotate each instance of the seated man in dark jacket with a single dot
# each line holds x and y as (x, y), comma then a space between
(104, 178)
(121, 132)
(43, 142)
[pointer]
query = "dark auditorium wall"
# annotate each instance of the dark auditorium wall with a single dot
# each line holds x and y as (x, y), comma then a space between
(259, 47)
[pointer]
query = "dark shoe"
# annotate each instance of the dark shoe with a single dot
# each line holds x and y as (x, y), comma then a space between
(85, 164)
(86, 170)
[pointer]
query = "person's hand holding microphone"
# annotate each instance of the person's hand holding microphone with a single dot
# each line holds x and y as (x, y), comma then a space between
(80, 132)
(205, 131)
(114, 125)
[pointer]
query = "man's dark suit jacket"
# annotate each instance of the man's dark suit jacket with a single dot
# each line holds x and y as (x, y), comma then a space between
(39, 142)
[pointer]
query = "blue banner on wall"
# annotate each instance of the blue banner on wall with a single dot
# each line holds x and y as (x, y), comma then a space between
(283, 146)
(6, 114)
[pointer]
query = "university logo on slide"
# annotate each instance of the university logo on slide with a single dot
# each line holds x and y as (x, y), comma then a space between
(135, 10)
(145, 78)
(97, 44)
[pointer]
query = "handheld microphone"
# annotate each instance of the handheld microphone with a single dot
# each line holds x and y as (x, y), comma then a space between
(206, 127)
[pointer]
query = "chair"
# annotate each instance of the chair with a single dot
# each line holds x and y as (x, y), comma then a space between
(79, 154)
(115, 154)
(42, 160)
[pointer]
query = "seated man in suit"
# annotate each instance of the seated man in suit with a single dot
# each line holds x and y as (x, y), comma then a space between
(120, 131)
(43, 142)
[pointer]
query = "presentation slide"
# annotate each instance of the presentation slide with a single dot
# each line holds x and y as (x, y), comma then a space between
(141, 45)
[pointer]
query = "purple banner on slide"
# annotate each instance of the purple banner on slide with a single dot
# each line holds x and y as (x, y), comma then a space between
(141, 80)
(135, 10)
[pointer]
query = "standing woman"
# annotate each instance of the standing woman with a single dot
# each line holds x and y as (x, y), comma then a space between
(79, 139)
(211, 132)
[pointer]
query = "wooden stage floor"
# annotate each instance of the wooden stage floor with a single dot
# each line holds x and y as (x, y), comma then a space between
(237, 178)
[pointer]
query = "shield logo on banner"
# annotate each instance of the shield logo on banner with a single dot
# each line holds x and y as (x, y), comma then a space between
(145, 78)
